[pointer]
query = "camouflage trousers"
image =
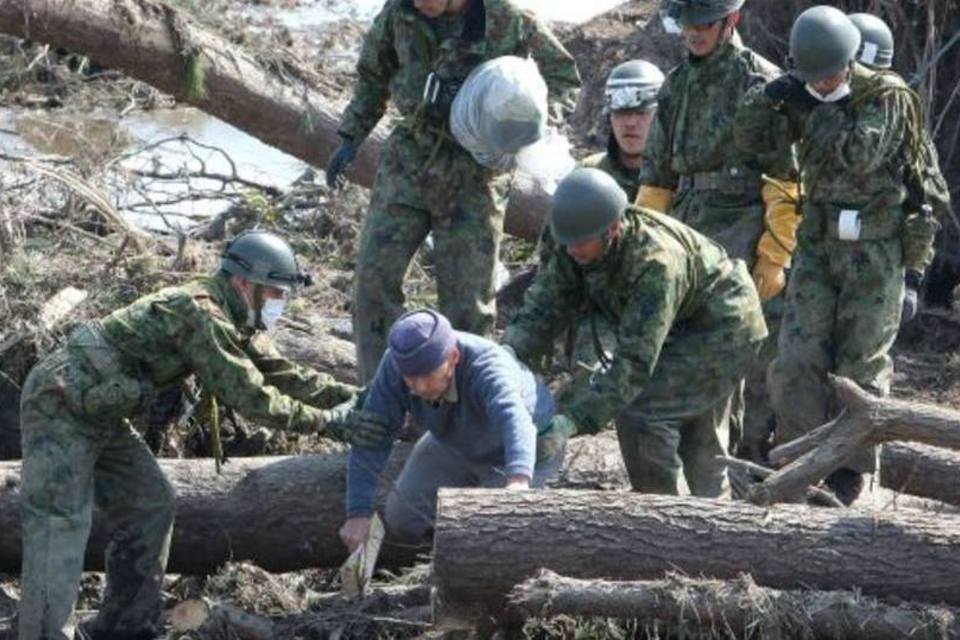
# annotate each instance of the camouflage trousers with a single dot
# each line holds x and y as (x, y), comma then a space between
(753, 419)
(842, 316)
(71, 463)
(736, 223)
(682, 421)
(418, 191)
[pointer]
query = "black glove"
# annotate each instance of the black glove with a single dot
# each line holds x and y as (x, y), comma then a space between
(339, 161)
(355, 426)
(790, 90)
(913, 281)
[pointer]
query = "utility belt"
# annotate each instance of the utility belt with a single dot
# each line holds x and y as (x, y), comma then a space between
(730, 181)
(854, 224)
(101, 385)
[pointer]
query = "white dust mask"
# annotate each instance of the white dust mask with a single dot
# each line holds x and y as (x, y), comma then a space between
(271, 311)
(839, 93)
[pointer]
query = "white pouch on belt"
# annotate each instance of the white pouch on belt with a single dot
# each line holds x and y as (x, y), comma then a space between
(848, 225)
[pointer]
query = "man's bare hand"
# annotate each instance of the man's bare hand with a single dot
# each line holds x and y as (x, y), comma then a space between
(354, 532)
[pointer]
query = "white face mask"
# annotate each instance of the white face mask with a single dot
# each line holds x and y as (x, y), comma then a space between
(271, 312)
(839, 93)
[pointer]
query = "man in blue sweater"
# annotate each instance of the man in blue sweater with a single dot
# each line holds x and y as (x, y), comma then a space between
(481, 410)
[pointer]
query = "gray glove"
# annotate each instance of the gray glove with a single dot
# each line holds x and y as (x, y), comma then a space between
(356, 427)
(340, 160)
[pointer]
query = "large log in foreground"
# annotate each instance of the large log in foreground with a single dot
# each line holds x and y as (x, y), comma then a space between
(865, 421)
(164, 47)
(281, 513)
(678, 606)
(921, 470)
(487, 541)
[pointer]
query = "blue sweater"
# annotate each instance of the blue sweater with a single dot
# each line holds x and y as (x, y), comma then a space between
(499, 408)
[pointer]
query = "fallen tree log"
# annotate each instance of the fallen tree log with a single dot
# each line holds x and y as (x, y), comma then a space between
(164, 47)
(220, 619)
(487, 541)
(921, 470)
(865, 421)
(280, 513)
(738, 608)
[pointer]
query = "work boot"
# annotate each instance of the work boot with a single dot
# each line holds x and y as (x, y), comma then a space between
(846, 484)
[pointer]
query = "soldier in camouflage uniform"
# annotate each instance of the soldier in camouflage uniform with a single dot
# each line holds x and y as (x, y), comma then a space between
(688, 326)
(79, 449)
(860, 141)
(928, 195)
(630, 101)
(695, 172)
(426, 181)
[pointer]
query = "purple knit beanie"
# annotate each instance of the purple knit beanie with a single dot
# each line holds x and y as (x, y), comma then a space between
(420, 341)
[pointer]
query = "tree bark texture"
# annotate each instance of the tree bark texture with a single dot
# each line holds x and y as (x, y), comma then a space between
(738, 608)
(155, 43)
(281, 513)
(866, 421)
(487, 541)
(921, 470)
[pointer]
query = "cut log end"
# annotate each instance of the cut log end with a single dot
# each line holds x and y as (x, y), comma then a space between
(190, 615)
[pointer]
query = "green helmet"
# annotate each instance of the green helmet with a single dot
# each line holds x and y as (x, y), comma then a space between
(694, 13)
(823, 42)
(632, 85)
(876, 50)
(263, 258)
(584, 206)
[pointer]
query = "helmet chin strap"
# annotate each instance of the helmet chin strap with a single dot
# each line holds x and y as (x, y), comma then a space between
(255, 308)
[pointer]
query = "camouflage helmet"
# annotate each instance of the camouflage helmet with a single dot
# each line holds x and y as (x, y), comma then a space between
(632, 85)
(584, 206)
(263, 258)
(823, 42)
(696, 13)
(876, 50)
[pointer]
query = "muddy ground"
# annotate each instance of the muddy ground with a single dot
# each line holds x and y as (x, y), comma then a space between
(64, 110)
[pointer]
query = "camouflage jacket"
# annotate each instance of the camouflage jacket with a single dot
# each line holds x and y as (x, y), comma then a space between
(200, 328)
(628, 179)
(852, 154)
(663, 285)
(692, 141)
(402, 49)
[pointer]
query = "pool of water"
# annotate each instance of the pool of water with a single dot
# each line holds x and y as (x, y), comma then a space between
(313, 14)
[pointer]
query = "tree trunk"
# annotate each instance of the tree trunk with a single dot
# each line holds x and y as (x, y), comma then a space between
(921, 470)
(155, 43)
(487, 541)
(281, 513)
(866, 421)
(736, 608)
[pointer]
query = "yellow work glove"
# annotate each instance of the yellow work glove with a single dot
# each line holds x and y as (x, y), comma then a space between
(769, 278)
(777, 243)
(656, 198)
